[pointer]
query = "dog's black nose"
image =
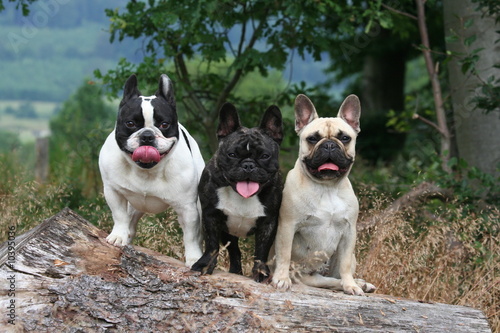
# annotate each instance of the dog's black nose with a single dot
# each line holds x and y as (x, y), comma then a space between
(329, 145)
(147, 138)
(248, 166)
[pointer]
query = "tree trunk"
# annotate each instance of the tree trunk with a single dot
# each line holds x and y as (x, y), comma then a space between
(477, 133)
(382, 89)
(63, 276)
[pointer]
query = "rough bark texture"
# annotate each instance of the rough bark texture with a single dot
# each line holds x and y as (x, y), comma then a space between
(68, 279)
(476, 133)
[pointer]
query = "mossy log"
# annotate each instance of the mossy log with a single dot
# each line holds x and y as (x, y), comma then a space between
(62, 276)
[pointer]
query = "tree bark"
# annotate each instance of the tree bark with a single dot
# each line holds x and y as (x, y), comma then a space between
(65, 277)
(432, 70)
(476, 133)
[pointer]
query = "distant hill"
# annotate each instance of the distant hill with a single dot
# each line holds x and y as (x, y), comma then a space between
(46, 55)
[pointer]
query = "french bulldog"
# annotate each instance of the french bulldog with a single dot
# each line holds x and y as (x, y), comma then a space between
(240, 191)
(317, 222)
(149, 163)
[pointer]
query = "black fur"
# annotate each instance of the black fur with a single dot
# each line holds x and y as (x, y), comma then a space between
(130, 111)
(234, 162)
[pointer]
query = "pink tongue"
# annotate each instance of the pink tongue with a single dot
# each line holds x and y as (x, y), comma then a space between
(247, 189)
(146, 154)
(328, 166)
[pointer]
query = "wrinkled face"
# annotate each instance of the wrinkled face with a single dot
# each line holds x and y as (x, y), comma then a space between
(147, 129)
(248, 159)
(327, 148)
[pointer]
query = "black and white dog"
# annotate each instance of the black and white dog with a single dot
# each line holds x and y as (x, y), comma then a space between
(149, 163)
(240, 191)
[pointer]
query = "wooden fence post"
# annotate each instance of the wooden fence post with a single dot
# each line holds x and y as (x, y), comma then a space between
(42, 159)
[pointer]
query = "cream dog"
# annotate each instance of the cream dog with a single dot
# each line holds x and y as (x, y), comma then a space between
(317, 223)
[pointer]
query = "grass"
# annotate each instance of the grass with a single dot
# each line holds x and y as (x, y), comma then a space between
(449, 255)
(434, 252)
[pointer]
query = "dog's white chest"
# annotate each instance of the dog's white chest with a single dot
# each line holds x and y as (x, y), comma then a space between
(331, 210)
(322, 226)
(242, 214)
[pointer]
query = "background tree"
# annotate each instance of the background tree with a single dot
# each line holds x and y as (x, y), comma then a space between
(78, 132)
(229, 39)
(375, 59)
(474, 74)
(448, 247)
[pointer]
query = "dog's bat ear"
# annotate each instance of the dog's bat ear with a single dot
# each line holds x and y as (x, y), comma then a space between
(272, 123)
(166, 89)
(305, 112)
(229, 120)
(130, 89)
(350, 111)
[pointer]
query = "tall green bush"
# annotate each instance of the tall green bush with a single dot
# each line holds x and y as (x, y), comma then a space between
(78, 132)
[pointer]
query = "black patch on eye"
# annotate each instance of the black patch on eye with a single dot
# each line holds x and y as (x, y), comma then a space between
(314, 138)
(165, 112)
(343, 137)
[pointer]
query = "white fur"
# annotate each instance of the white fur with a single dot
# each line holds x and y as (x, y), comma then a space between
(148, 111)
(241, 213)
(131, 191)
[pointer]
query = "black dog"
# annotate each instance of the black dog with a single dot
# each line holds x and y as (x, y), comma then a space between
(240, 190)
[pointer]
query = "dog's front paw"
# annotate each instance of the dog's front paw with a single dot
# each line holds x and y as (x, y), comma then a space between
(191, 261)
(365, 286)
(282, 283)
(206, 264)
(261, 272)
(118, 239)
(369, 288)
(353, 289)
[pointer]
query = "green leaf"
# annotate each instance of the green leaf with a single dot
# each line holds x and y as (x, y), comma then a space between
(469, 40)
(468, 23)
(451, 39)
(452, 162)
(466, 66)
(386, 22)
(475, 51)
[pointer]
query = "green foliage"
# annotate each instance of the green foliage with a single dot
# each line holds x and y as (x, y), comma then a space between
(16, 160)
(78, 132)
(489, 7)
(470, 184)
(487, 97)
(23, 4)
(9, 142)
(251, 36)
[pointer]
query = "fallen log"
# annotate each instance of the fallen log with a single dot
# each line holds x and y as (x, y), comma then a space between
(62, 276)
(421, 193)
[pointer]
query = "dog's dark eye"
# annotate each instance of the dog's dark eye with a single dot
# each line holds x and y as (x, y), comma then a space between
(264, 156)
(232, 155)
(130, 124)
(164, 125)
(312, 139)
(345, 139)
